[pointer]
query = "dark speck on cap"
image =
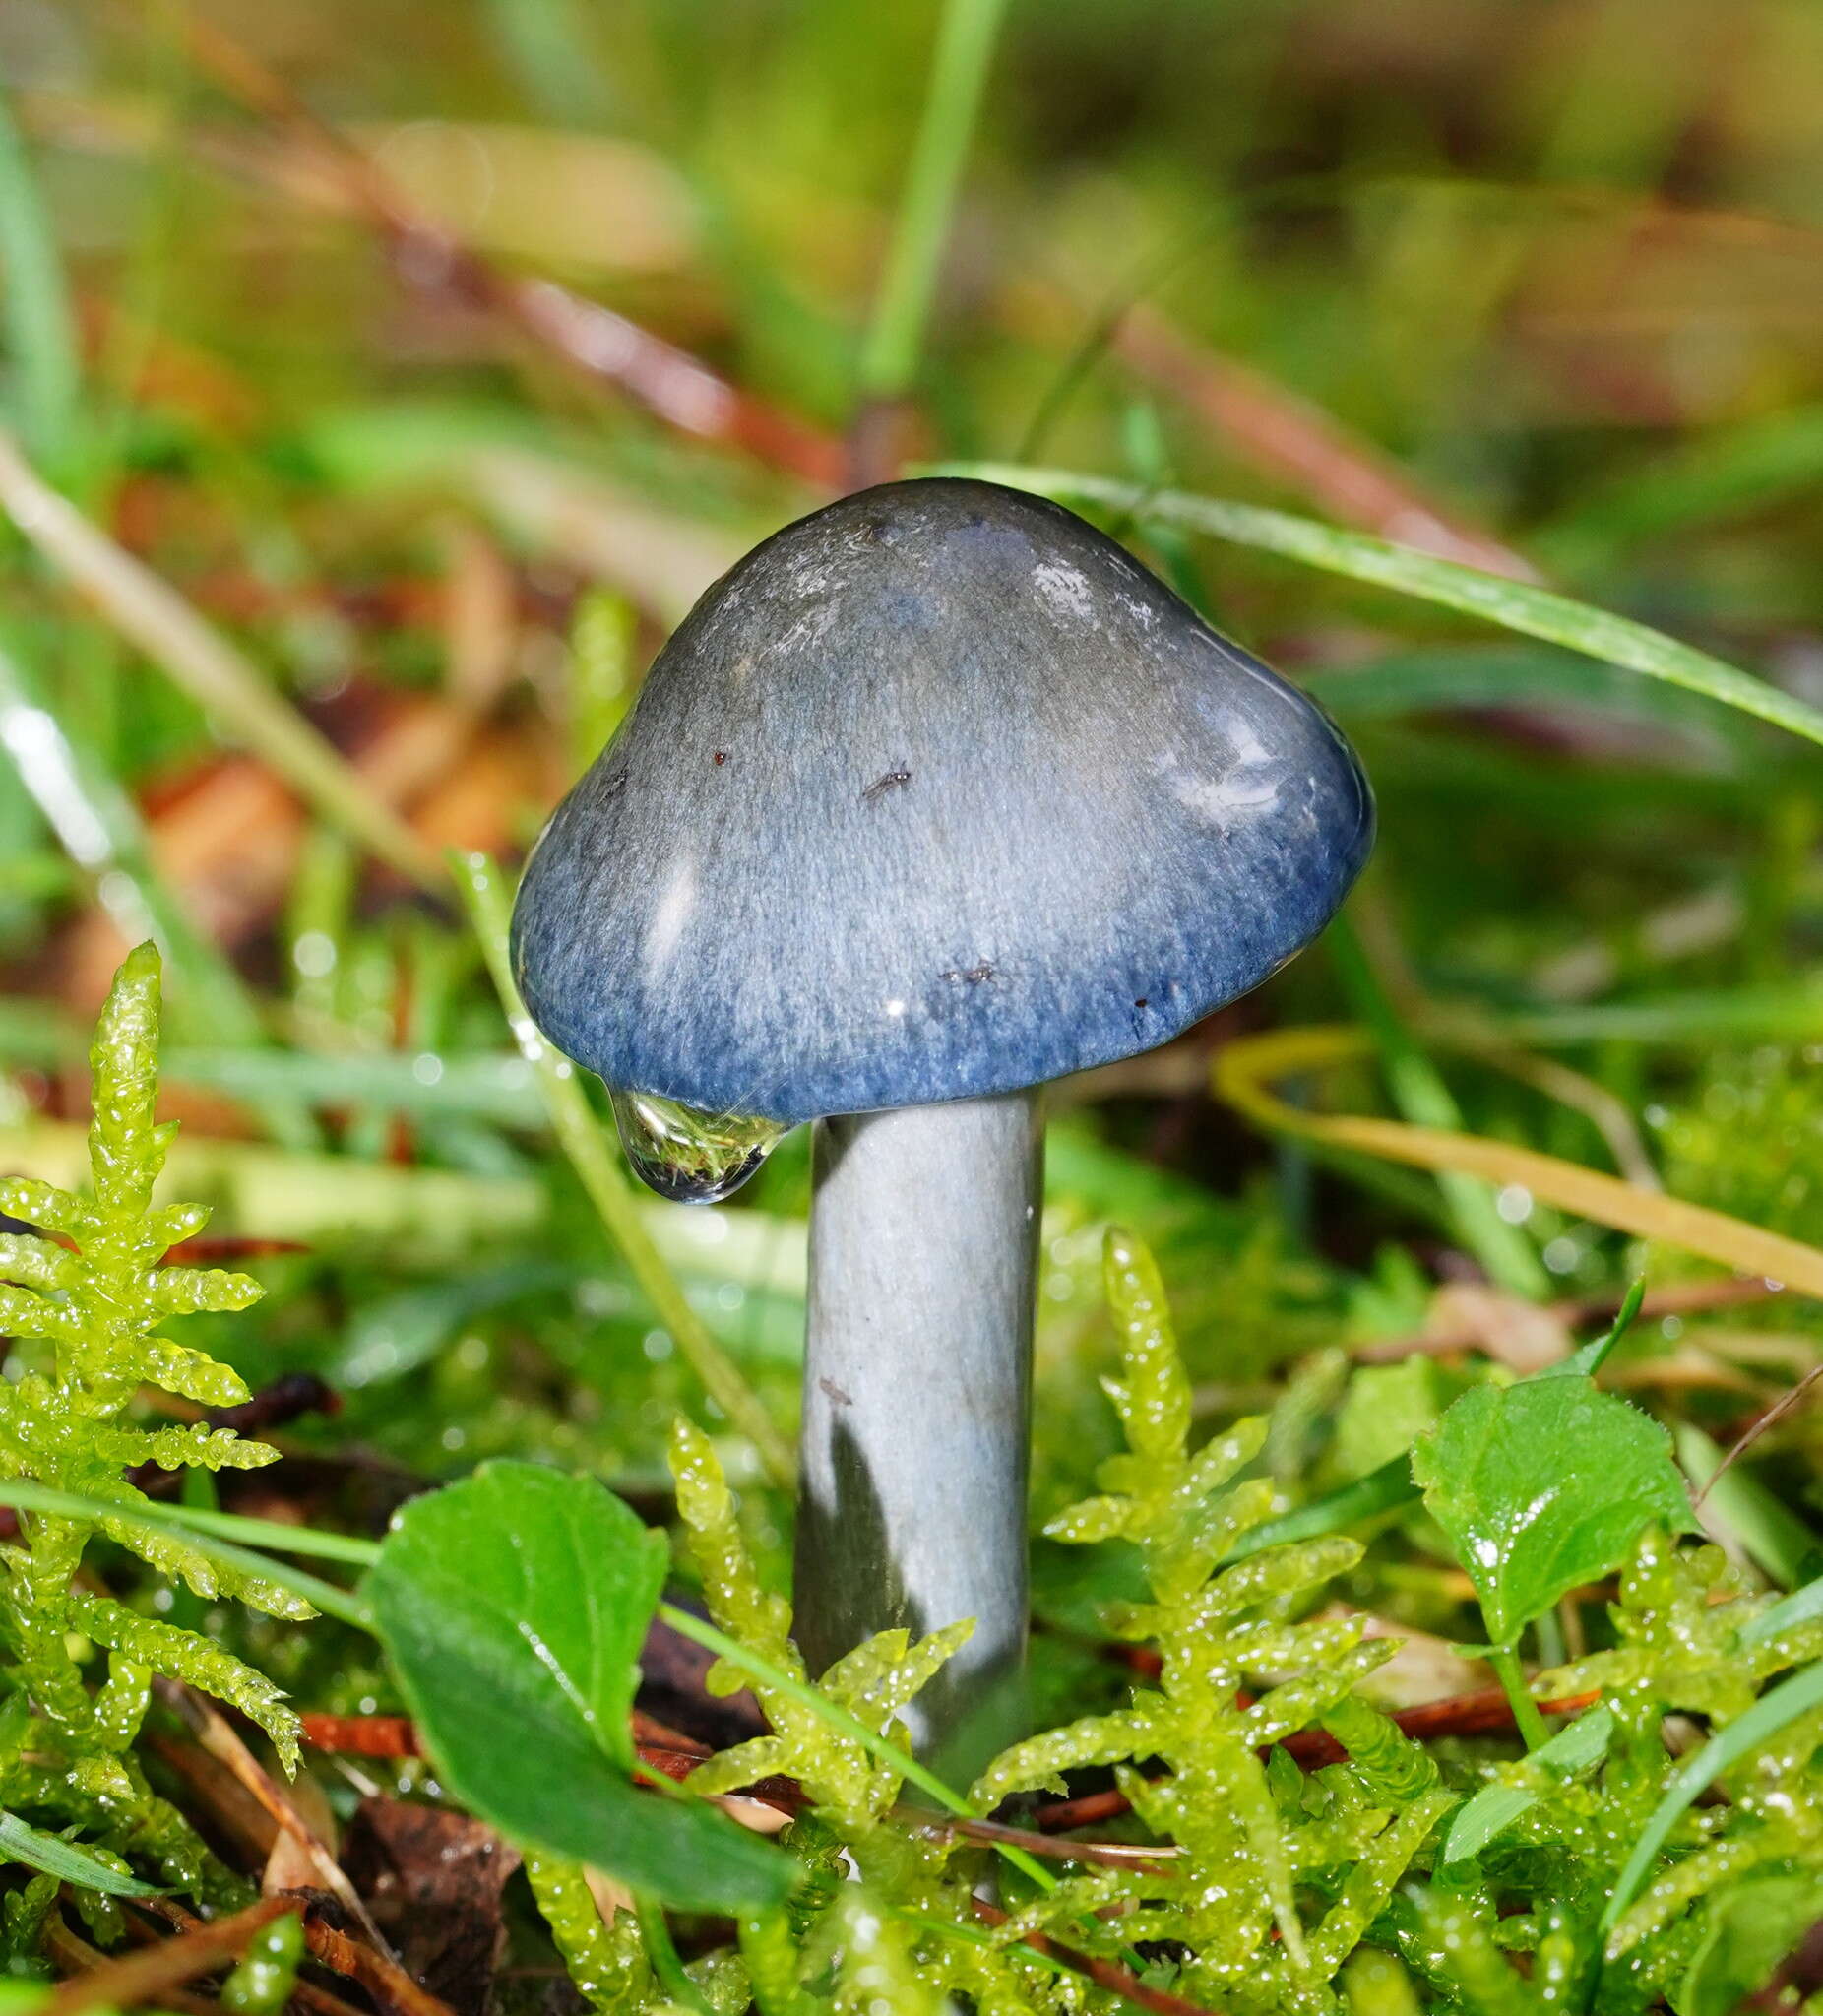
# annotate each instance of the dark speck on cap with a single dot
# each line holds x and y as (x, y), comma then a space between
(988, 804)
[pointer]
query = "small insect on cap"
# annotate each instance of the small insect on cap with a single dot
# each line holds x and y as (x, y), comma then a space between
(937, 793)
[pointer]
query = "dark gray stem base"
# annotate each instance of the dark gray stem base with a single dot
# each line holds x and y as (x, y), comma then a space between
(918, 1386)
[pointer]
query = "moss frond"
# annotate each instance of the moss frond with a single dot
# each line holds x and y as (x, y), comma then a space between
(85, 1300)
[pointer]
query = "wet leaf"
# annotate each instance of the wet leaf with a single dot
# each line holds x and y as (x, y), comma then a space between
(513, 1606)
(1542, 1487)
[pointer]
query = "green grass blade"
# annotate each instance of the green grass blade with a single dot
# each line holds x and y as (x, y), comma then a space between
(1380, 1491)
(1511, 605)
(1777, 1011)
(1576, 1747)
(1722, 473)
(1802, 1607)
(198, 658)
(558, 66)
(41, 326)
(67, 1860)
(204, 1528)
(958, 69)
(1431, 679)
(1777, 1538)
(598, 1164)
(101, 832)
(1770, 1714)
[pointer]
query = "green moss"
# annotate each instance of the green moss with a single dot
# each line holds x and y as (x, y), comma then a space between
(86, 1303)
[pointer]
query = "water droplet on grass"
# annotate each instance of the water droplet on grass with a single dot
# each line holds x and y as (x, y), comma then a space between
(691, 1157)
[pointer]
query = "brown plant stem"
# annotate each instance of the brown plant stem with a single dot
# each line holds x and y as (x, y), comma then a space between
(1684, 1298)
(1298, 443)
(215, 1735)
(1484, 1712)
(1105, 1973)
(146, 1976)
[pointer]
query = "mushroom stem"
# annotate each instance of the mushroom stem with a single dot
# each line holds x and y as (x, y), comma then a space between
(918, 1389)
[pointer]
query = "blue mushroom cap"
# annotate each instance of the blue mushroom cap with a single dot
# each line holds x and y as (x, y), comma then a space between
(937, 793)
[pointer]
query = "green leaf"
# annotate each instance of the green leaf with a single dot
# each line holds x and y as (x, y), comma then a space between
(1589, 1359)
(1748, 1933)
(1542, 1487)
(55, 1857)
(397, 1333)
(1770, 1714)
(1513, 605)
(513, 1606)
(1573, 1750)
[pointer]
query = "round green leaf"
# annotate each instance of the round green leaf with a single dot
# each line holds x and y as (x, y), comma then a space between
(513, 1606)
(1542, 1487)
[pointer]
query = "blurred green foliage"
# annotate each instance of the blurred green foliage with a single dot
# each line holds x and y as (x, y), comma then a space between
(1529, 285)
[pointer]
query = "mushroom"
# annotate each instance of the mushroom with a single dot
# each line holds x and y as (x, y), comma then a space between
(934, 797)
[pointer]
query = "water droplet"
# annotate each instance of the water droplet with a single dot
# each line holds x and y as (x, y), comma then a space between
(691, 1157)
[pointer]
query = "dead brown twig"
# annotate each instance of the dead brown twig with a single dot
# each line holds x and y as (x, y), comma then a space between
(1150, 1856)
(602, 347)
(1105, 1973)
(1289, 438)
(1686, 1298)
(374, 1971)
(213, 1732)
(1283, 436)
(71, 1954)
(1787, 1403)
(307, 1994)
(147, 1975)
(381, 1976)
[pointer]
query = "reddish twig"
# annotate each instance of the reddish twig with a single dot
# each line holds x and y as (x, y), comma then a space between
(604, 347)
(211, 1250)
(1298, 444)
(305, 1992)
(279, 1402)
(662, 1750)
(1482, 1713)
(362, 1736)
(1105, 1973)
(381, 1976)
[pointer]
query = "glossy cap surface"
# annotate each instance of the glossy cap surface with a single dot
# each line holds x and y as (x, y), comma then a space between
(938, 792)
